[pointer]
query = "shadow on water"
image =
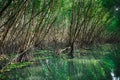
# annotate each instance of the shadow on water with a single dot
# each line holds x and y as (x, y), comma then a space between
(99, 63)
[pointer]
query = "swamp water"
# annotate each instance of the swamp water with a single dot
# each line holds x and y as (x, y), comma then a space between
(97, 63)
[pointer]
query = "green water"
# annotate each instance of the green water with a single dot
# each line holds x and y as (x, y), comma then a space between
(97, 63)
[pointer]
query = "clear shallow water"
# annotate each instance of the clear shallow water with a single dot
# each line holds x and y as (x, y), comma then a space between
(98, 63)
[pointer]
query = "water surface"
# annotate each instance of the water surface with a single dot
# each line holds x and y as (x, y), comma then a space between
(97, 63)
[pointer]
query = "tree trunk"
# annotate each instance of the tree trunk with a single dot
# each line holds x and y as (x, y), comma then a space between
(5, 7)
(70, 54)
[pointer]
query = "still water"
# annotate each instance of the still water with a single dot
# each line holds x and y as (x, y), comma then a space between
(96, 63)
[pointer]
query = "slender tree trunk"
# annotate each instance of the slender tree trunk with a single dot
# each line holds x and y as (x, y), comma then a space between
(70, 54)
(5, 7)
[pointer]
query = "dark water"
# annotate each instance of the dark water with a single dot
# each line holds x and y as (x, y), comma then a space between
(97, 63)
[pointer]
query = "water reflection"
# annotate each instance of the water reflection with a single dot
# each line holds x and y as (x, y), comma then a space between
(99, 63)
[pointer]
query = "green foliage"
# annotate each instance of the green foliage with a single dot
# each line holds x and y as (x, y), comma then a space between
(111, 5)
(113, 26)
(108, 3)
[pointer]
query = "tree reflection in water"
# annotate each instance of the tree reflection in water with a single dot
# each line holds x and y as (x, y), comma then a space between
(101, 63)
